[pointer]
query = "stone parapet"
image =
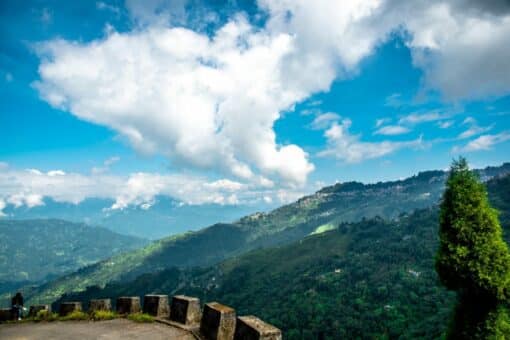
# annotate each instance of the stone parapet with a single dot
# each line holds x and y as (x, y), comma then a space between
(218, 322)
(100, 304)
(156, 305)
(128, 305)
(69, 307)
(185, 310)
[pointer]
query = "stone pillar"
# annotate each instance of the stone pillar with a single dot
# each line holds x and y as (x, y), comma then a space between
(156, 305)
(185, 310)
(128, 304)
(252, 328)
(37, 308)
(218, 322)
(6, 314)
(100, 304)
(69, 307)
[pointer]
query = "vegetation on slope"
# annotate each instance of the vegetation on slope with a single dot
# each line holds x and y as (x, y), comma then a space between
(332, 205)
(370, 279)
(38, 250)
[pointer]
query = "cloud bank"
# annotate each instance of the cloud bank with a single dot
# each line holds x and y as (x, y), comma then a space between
(29, 187)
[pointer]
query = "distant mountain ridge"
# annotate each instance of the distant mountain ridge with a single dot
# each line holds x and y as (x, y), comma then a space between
(32, 251)
(164, 217)
(315, 213)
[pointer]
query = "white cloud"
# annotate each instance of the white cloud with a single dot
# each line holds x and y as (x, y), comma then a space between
(211, 101)
(418, 118)
(4, 165)
(381, 121)
(324, 120)
(105, 6)
(473, 129)
(106, 165)
(392, 130)
(461, 45)
(29, 188)
(52, 173)
(445, 124)
(349, 148)
(484, 142)
(394, 100)
(2, 207)
(204, 103)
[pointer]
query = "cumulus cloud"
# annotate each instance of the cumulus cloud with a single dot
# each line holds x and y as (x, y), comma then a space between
(450, 41)
(203, 102)
(351, 149)
(210, 100)
(392, 130)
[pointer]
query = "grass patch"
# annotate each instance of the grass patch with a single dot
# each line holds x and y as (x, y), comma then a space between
(140, 317)
(76, 315)
(100, 315)
(44, 315)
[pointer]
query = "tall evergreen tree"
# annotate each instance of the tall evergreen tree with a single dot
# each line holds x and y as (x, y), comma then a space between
(473, 259)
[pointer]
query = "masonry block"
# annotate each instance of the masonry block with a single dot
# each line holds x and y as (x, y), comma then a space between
(100, 304)
(128, 305)
(156, 305)
(37, 308)
(252, 328)
(185, 310)
(6, 314)
(69, 307)
(218, 322)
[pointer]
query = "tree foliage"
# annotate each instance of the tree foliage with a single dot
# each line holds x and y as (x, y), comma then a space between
(473, 259)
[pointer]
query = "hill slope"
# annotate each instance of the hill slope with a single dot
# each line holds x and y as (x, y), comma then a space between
(38, 250)
(370, 279)
(328, 207)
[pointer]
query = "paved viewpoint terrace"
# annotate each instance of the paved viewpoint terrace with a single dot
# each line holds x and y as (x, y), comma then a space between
(111, 329)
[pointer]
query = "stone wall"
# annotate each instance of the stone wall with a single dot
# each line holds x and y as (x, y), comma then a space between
(212, 322)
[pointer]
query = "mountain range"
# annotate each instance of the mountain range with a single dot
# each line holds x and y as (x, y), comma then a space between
(369, 279)
(164, 217)
(314, 214)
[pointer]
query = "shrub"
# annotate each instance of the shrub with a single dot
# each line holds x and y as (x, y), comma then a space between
(44, 315)
(99, 315)
(76, 315)
(140, 317)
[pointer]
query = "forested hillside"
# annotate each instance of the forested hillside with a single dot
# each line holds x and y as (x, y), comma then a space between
(370, 279)
(32, 251)
(318, 212)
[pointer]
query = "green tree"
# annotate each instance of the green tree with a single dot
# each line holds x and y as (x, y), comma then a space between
(473, 258)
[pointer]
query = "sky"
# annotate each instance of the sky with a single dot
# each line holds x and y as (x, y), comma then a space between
(244, 102)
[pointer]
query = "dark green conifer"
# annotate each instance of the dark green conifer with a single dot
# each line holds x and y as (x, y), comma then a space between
(473, 259)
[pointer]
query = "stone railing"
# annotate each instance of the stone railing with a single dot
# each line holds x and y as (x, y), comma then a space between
(214, 322)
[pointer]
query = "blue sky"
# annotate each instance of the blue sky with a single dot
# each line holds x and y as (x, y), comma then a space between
(257, 102)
